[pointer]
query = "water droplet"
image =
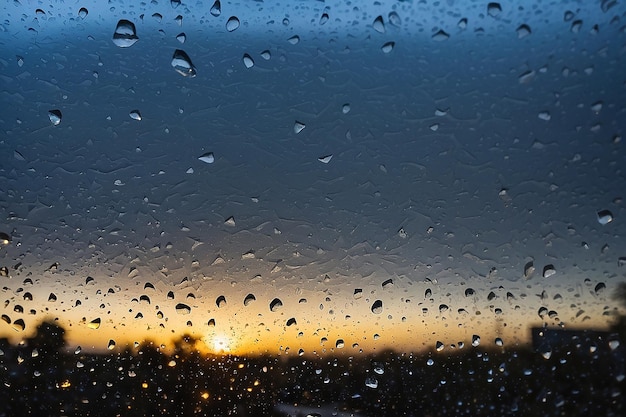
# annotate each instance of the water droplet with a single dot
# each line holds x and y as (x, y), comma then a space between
(394, 19)
(544, 115)
(523, 31)
(275, 304)
(599, 288)
(232, 24)
(469, 292)
(94, 324)
(55, 116)
(443, 308)
(605, 217)
(388, 47)
(440, 36)
(576, 26)
(325, 159)
(298, 127)
(83, 12)
(529, 269)
(548, 271)
(377, 307)
(181, 37)
(439, 346)
(339, 344)
(294, 40)
(211, 323)
(324, 18)
(216, 9)
(266, 55)
(494, 9)
(111, 344)
(220, 301)
(182, 64)
(158, 17)
(183, 308)
(208, 158)
(499, 342)
(5, 238)
(135, 115)
(430, 362)
(249, 298)
(371, 382)
(475, 340)
(379, 25)
(125, 34)
(248, 61)
(19, 325)
(230, 221)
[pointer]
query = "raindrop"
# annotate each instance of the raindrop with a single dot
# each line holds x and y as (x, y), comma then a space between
(266, 55)
(135, 115)
(298, 127)
(291, 322)
(211, 323)
(494, 9)
(523, 31)
(440, 36)
(394, 19)
(5, 238)
(529, 269)
(542, 312)
(83, 12)
(52, 297)
(158, 17)
(469, 292)
(371, 382)
(439, 346)
(208, 158)
(600, 288)
(428, 293)
(339, 344)
(499, 342)
(216, 9)
(248, 61)
(548, 271)
(443, 308)
(387, 47)
(576, 26)
(462, 24)
(387, 283)
(20, 60)
(275, 304)
(6, 319)
(430, 362)
(475, 340)
(19, 325)
(249, 298)
(294, 40)
(94, 324)
(605, 217)
(324, 18)
(111, 344)
(345, 109)
(55, 116)
(181, 37)
(125, 34)
(179, 19)
(183, 308)
(232, 24)
(182, 64)
(325, 159)
(544, 115)
(220, 301)
(230, 221)
(379, 25)
(377, 307)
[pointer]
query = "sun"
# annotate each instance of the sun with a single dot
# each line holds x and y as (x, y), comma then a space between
(220, 344)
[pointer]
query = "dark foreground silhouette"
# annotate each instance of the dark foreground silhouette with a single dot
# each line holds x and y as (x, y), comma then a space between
(572, 376)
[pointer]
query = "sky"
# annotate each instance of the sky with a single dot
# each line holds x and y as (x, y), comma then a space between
(397, 175)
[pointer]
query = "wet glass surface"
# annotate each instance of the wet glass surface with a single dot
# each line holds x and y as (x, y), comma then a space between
(312, 208)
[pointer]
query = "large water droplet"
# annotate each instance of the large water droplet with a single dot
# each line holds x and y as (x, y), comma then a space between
(125, 34)
(182, 64)
(83, 12)
(248, 61)
(298, 127)
(275, 304)
(94, 324)
(183, 308)
(379, 25)
(216, 9)
(388, 47)
(377, 307)
(232, 24)
(135, 115)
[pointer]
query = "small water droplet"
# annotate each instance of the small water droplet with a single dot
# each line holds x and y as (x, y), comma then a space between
(604, 217)
(388, 47)
(339, 344)
(183, 308)
(135, 115)
(208, 158)
(55, 116)
(377, 307)
(275, 304)
(266, 55)
(216, 9)
(394, 19)
(294, 40)
(125, 34)
(523, 30)
(324, 18)
(83, 12)
(232, 24)
(111, 344)
(494, 9)
(544, 115)
(249, 298)
(182, 64)
(475, 340)
(440, 36)
(298, 127)
(181, 37)
(371, 382)
(248, 61)
(94, 324)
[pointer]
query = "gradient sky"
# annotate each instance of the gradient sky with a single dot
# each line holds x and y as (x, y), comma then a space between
(443, 153)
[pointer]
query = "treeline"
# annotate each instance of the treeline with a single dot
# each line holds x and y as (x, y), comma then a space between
(40, 377)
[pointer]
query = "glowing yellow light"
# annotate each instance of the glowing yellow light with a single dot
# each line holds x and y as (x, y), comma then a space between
(64, 384)
(144, 385)
(171, 363)
(204, 395)
(221, 344)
